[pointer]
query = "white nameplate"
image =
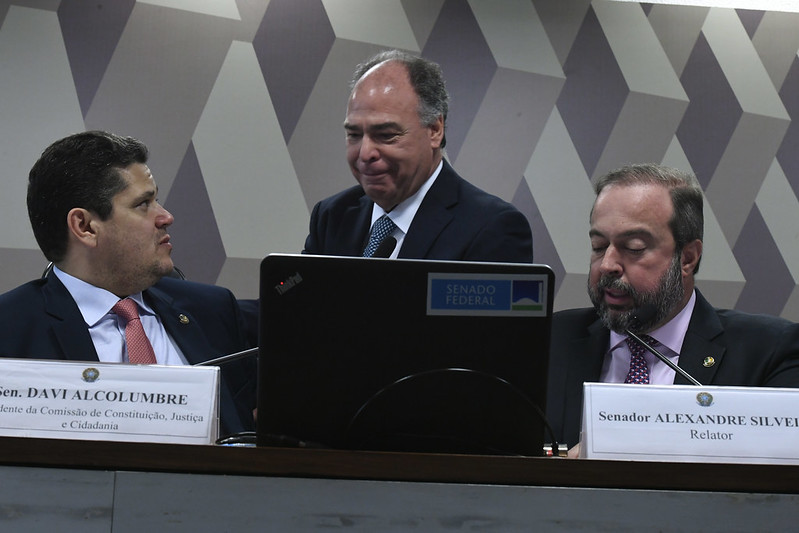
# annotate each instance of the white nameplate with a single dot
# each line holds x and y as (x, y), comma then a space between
(685, 423)
(109, 401)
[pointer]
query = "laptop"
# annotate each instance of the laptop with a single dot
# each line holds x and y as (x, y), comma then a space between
(403, 355)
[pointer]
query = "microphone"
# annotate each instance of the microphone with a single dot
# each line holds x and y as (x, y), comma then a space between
(386, 247)
(644, 314)
(228, 358)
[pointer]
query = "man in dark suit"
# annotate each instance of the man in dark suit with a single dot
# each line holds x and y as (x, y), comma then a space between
(93, 207)
(646, 241)
(395, 129)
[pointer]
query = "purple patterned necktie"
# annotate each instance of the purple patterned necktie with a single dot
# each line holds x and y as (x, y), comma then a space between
(639, 371)
(382, 229)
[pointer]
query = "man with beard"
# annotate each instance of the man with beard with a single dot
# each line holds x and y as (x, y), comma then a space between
(646, 245)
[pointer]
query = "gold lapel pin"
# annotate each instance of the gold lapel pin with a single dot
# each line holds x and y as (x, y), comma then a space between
(708, 362)
(183, 319)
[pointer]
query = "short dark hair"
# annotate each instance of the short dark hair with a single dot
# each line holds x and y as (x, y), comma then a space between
(688, 221)
(81, 170)
(427, 81)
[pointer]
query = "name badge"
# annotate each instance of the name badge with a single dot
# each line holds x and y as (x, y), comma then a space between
(109, 401)
(685, 423)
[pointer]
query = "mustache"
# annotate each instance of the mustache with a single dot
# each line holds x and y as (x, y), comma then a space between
(617, 285)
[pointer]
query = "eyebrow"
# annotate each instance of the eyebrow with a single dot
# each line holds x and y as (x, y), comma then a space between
(375, 127)
(146, 195)
(626, 234)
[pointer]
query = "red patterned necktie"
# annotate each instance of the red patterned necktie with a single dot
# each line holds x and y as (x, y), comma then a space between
(140, 351)
(639, 371)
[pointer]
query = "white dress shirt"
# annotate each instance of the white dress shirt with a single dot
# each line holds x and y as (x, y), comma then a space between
(403, 213)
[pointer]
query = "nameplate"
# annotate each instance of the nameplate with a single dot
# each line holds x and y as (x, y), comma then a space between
(108, 401)
(685, 423)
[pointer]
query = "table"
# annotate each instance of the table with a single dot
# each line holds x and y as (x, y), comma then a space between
(68, 485)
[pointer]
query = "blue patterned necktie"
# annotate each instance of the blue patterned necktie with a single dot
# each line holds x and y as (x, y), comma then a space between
(381, 229)
(639, 370)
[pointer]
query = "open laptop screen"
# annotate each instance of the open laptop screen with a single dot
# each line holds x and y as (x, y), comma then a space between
(407, 355)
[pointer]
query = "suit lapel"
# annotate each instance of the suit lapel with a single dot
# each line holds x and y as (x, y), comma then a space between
(68, 326)
(433, 215)
(181, 326)
(192, 341)
(358, 217)
(702, 341)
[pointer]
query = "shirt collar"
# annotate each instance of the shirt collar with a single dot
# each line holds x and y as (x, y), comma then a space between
(94, 302)
(671, 334)
(402, 215)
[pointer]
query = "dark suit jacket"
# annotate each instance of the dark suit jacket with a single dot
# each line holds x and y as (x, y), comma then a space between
(41, 320)
(456, 221)
(749, 350)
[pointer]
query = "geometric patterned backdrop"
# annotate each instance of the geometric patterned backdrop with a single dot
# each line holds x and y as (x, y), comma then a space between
(241, 103)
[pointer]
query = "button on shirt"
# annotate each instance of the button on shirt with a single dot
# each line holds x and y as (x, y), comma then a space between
(402, 214)
(107, 330)
(670, 337)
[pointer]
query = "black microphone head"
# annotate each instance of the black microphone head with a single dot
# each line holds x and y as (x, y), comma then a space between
(643, 315)
(385, 248)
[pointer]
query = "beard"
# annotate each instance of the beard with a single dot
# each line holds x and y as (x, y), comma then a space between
(664, 298)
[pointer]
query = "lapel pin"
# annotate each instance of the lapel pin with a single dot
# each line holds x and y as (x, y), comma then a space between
(708, 362)
(185, 320)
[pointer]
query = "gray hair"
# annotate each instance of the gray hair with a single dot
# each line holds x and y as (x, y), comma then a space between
(426, 79)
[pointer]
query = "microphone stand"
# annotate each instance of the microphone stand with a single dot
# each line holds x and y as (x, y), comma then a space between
(663, 358)
(228, 358)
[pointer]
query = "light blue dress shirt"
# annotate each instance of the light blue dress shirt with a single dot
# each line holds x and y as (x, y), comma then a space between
(107, 330)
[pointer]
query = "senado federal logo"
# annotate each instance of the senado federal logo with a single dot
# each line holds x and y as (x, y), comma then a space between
(486, 294)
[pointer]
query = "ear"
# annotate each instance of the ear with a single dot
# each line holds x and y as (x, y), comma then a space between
(82, 226)
(691, 253)
(436, 132)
